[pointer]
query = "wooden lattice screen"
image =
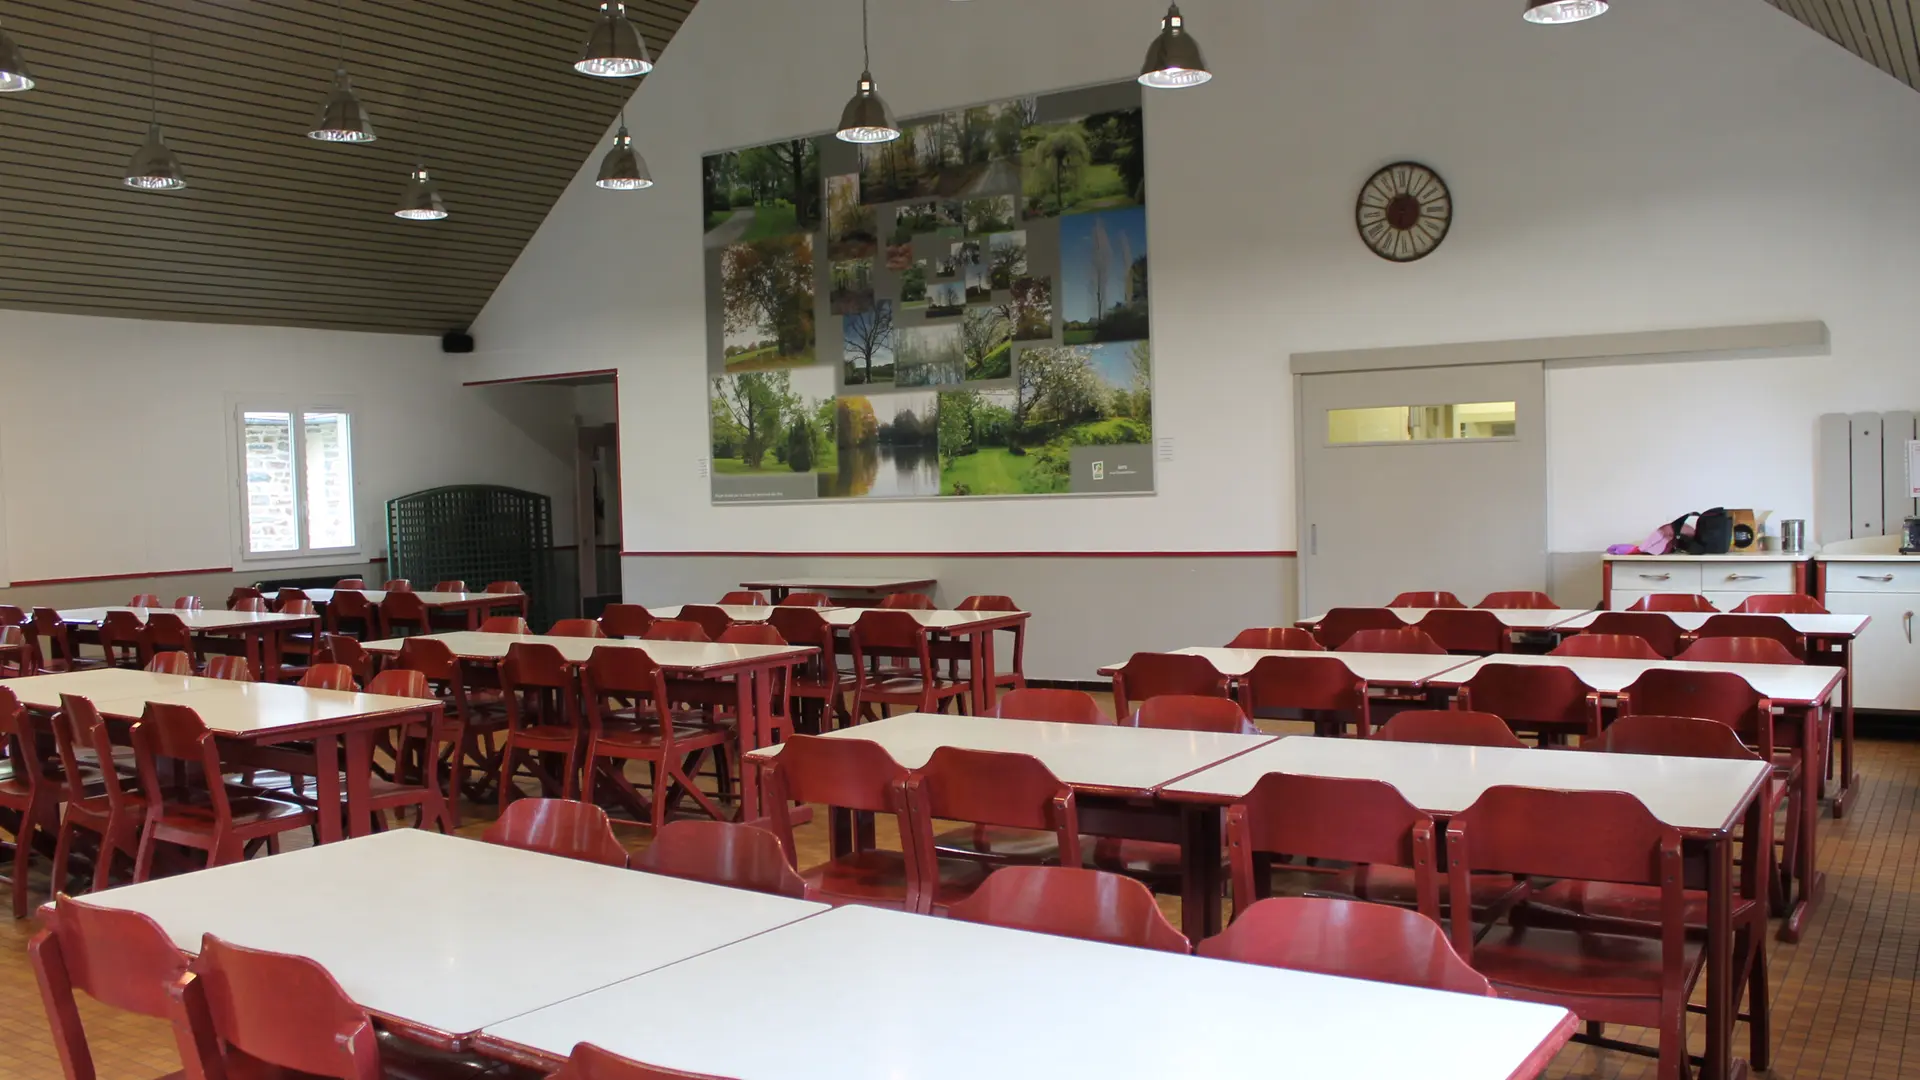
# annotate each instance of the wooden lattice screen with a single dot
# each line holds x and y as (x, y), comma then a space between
(477, 534)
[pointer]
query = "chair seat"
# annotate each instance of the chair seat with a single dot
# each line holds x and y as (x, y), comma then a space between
(906, 686)
(866, 877)
(689, 733)
(994, 844)
(1395, 885)
(537, 736)
(1628, 903)
(958, 880)
(247, 810)
(1567, 962)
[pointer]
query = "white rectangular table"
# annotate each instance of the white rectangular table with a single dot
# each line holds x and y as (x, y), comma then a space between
(838, 583)
(1027, 1007)
(444, 936)
(1528, 620)
(1396, 670)
(259, 631)
(474, 605)
(1795, 685)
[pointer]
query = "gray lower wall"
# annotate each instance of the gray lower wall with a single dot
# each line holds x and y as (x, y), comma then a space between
(1573, 578)
(1087, 611)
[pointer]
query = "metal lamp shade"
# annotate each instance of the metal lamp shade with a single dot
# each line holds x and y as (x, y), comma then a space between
(421, 200)
(866, 119)
(623, 169)
(614, 49)
(1173, 60)
(343, 120)
(154, 166)
(13, 69)
(1552, 12)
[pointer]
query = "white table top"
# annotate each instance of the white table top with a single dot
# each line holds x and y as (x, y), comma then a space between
(1398, 669)
(1515, 618)
(1049, 1007)
(678, 655)
(1083, 755)
(421, 926)
(431, 599)
(940, 619)
(1786, 684)
(1696, 794)
(1835, 625)
(239, 709)
(196, 619)
(832, 582)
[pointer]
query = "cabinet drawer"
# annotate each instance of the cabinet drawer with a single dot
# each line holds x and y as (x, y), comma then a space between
(1656, 577)
(1772, 577)
(1872, 577)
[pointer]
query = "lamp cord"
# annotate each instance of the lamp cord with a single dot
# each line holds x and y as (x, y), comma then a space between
(340, 26)
(866, 51)
(153, 83)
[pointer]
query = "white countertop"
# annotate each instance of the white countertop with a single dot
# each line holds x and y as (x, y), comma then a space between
(1044, 1008)
(429, 598)
(679, 655)
(1083, 755)
(1699, 794)
(1834, 625)
(1397, 669)
(455, 934)
(1785, 684)
(1514, 618)
(240, 709)
(196, 619)
(830, 582)
(1755, 555)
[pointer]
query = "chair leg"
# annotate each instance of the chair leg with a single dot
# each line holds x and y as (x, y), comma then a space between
(22, 855)
(64, 848)
(1759, 1009)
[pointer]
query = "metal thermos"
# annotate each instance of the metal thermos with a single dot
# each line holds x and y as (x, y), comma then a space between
(1793, 535)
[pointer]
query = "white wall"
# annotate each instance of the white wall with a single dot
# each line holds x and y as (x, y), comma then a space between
(1669, 165)
(117, 448)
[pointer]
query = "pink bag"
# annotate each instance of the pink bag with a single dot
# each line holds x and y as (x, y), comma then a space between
(1658, 542)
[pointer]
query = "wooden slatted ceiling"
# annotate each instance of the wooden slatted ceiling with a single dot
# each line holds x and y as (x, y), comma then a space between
(274, 227)
(1884, 33)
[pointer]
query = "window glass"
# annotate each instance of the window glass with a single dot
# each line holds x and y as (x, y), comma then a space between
(1421, 423)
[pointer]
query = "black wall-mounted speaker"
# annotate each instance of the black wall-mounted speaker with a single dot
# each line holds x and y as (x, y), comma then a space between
(456, 341)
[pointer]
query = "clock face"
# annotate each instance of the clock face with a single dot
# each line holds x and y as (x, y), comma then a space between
(1404, 212)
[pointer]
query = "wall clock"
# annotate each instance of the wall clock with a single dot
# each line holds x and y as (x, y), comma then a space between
(1404, 211)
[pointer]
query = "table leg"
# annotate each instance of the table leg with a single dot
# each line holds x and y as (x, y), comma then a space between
(1200, 872)
(1809, 882)
(1720, 1010)
(980, 679)
(989, 689)
(270, 656)
(1753, 886)
(326, 786)
(1847, 776)
(753, 699)
(360, 780)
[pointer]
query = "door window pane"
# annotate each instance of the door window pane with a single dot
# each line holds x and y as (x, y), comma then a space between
(1421, 423)
(273, 516)
(328, 448)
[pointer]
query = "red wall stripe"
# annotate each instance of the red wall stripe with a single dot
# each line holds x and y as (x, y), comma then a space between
(965, 554)
(544, 378)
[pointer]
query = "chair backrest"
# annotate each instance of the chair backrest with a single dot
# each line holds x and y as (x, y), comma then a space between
(623, 671)
(290, 594)
(1403, 639)
(249, 603)
(144, 600)
(734, 854)
(562, 827)
(12, 615)
(710, 619)
(1614, 646)
(400, 682)
(1193, 712)
(1532, 693)
(1336, 626)
(188, 603)
(341, 649)
(674, 630)
(1755, 626)
(230, 668)
(850, 774)
(78, 727)
(1148, 675)
(1057, 706)
(534, 665)
(1709, 695)
(397, 585)
(625, 620)
(1659, 631)
(1069, 901)
(806, 599)
(1517, 600)
(1324, 817)
(1302, 682)
(450, 585)
(587, 628)
(119, 958)
(745, 598)
(348, 605)
(122, 634)
(804, 626)
(1276, 637)
(1672, 602)
(1670, 736)
(1466, 630)
(506, 588)
(754, 633)
(297, 605)
(170, 663)
(19, 740)
(1453, 727)
(982, 787)
(1739, 650)
(405, 608)
(1426, 600)
(988, 603)
(243, 592)
(166, 630)
(176, 732)
(280, 1009)
(350, 583)
(508, 624)
(1781, 604)
(1351, 938)
(890, 633)
(908, 601)
(329, 677)
(589, 1062)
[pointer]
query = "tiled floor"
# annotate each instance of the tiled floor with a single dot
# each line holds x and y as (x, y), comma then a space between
(1844, 998)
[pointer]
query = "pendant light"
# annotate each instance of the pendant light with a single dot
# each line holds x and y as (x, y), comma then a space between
(421, 200)
(1552, 12)
(154, 167)
(614, 49)
(343, 119)
(866, 119)
(13, 69)
(1173, 60)
(623, 169)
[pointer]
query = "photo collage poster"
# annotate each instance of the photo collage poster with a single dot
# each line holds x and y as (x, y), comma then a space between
(960, 312)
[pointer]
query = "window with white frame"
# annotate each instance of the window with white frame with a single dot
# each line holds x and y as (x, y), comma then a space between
(296, 480)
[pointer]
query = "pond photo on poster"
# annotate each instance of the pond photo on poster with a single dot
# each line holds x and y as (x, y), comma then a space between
(963, 312)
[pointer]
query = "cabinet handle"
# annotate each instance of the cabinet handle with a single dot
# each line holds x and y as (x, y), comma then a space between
(1743, 577)
(1875, 577)
(1907, 621)
(1669, 577)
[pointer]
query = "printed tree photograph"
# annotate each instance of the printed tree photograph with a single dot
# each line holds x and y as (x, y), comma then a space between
(766, 300)
(1103, 271)
(960, 153)
(1029, 309)
(976, 444)
(928, 356)
(986, 337)
(851, 286)
(946, 299)
(990, 215)
(868, 348)
(773, 422)
(851, 229)
(927, 218)
(1006, 258)
(762, 192)
(1096, 163)
(913, 285)
(888, 446)
(1080, 395)
(978, 291)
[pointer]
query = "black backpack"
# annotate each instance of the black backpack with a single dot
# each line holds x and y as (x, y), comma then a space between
(1709, 532)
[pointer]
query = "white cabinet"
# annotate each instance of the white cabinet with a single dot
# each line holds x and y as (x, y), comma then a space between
(1867, 577)
(1725, 580)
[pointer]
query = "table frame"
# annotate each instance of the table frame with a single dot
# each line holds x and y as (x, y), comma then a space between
(779, 589)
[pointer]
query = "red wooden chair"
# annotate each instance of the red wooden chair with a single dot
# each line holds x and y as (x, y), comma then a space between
(908, 601)
(245, 592)
(1321, 689)
(254, 604)
(16, 655)
(1739, 650)
(673, 746)
(1274, 638)
(513, 624)
(350, 583)
(52, 644)
(29, 789)
(1451, 727)
(1018, 812)
(144, 600)
(1403, 639)
(1055, 706)
(1070, 901)
(352, 614)
(341, 649)
(188, 603)
(121, 637)
(752, 633)
(506, 588)
(166, 632)
(893, 665)
(1780, 604)
(744, 598)
(1426, 600)
(1336, 626)
(849, 776)
(819, 687)
(394, 585)
(582, 628)
(543, 720)
(230, 669)
(1148, 675)
(121, 959)
(1193, 712)
(560, 827)
(1016, 677)
(806, 599)
(170, 663)
(1672, 602)
(13, 615)
(1601, 836)
(1546, 701)
(589, 1062)
(420, 789)
(1659, 631)
(450, 585)
(708, 618)
(1467, 630)
(1347, 938)
(329, 677)
(1754, 626)
(675, 630)
(206, 817)
(1709, 695)
(404, 612)
(625, 620)
(285, 596)
(733, 854)
(1517, 600)
(1366, 823)
(1615, 646)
